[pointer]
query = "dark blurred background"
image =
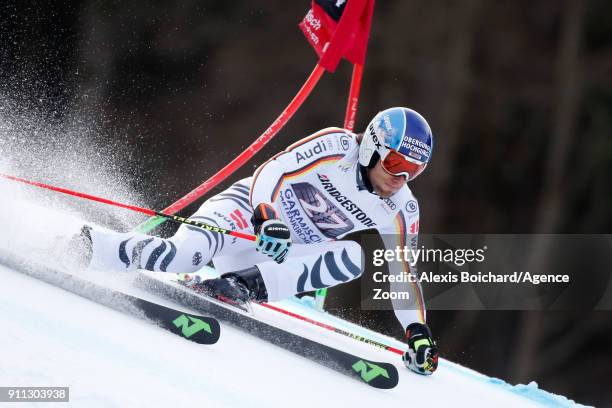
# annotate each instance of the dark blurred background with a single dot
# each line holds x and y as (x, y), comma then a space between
(518, 93)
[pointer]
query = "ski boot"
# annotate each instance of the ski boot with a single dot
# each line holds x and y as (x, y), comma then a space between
(236, 288)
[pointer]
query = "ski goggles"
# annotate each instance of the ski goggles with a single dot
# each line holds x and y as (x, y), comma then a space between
(396, 164)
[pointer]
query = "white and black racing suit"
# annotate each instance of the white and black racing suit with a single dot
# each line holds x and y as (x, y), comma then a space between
(319, 190)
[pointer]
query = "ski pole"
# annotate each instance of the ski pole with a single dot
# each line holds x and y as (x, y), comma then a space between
(146, 211)
(334, 329)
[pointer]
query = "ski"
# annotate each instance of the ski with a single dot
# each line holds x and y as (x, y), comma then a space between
(196, 328)
(377, 374)
(192, 327)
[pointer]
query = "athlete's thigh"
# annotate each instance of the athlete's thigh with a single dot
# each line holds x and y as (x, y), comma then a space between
(229, 210)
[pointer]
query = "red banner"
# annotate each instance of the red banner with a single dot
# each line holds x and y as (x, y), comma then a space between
(338, 29)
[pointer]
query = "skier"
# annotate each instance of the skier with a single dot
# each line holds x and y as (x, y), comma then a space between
(307, 205)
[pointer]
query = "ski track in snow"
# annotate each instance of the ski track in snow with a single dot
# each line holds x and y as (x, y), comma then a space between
(54, 338)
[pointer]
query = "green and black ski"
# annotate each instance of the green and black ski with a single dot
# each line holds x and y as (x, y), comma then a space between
(196, 328)
(374, 373)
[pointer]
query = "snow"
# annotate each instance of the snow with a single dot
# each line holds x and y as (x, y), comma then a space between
(54, 338)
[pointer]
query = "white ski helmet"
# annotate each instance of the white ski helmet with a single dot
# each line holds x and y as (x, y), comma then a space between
(401, 138)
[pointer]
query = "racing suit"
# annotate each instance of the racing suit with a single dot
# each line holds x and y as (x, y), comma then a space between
(318, 188)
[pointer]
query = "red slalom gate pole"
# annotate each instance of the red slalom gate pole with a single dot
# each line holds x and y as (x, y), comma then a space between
(349, 123)
(146, 211)
(243, 157)
(353, 99)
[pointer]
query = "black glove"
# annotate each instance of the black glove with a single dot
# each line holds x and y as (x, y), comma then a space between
(422, 354)
(273, 235)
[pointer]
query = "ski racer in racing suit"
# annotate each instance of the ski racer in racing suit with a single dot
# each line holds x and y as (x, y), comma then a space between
(306, 205)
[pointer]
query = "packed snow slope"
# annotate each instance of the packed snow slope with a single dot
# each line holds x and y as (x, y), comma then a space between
(55, 338)
(51, 337)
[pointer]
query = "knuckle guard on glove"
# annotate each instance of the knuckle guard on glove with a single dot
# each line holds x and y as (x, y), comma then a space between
(274, 240)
